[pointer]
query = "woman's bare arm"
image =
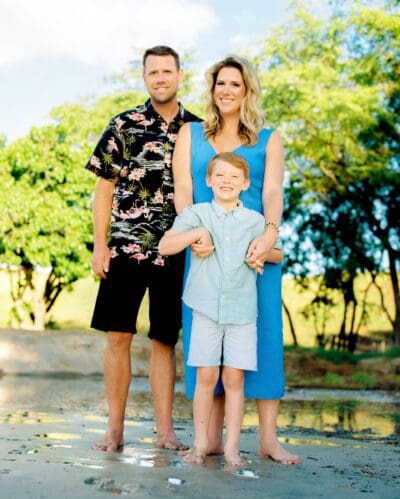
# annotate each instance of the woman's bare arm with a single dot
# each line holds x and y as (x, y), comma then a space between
(183, 184)
(261, 249)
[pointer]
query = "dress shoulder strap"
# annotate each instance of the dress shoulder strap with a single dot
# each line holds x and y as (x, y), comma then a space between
(264, 136)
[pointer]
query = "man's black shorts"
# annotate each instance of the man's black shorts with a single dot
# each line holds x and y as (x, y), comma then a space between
(120, 295)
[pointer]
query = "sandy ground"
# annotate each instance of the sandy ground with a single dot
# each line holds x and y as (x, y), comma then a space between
(46, 433)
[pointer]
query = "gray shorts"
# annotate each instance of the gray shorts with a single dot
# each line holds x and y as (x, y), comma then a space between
(213, 344)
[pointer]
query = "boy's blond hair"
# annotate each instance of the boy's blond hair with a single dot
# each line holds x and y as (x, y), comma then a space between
(231, 158)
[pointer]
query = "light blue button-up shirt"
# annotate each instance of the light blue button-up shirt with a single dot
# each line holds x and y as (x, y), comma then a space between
(222, 286)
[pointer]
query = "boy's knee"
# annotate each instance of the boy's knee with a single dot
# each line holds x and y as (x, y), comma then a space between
(232, 378)
(207, 376)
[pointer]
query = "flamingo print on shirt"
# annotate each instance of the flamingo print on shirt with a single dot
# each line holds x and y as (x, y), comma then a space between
(135, 153)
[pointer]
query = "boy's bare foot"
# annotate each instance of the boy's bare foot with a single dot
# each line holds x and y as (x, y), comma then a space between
(112, 442)
(232, 458)
(217, 448)
(170, 442)
(195, 456)
(276, 452)
(211, 451)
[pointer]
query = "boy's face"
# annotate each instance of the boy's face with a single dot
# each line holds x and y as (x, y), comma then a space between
(227, 182)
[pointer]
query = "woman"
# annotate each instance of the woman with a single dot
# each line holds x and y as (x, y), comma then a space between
(235, 123)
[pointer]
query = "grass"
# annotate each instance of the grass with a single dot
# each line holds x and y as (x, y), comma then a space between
(364, 380)
(73, 310)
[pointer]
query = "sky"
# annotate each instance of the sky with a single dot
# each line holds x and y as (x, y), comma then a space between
(55, 52)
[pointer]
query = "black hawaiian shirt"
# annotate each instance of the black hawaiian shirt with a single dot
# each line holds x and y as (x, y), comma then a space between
(135, 152)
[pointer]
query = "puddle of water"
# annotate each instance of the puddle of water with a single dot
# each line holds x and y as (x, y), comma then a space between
(63, 436)
(352, 416)
(146, 440)
(324, 443)
(364, 412)
(30, 418)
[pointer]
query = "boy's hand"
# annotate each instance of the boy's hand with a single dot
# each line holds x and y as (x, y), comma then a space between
(203, 247)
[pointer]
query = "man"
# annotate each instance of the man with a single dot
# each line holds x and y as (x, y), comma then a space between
(135, 191)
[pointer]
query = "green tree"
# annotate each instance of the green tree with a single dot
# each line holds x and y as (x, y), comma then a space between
(331, 85)
(45, 209)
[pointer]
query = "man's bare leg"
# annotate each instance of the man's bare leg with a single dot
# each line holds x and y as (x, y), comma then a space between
(117, 377)
(269, 445)
(234, 407)
(162, 380)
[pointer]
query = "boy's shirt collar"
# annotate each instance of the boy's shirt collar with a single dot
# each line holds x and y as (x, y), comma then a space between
(221, 212)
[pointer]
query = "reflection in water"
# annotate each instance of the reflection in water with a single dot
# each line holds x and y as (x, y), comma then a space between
(63, 436)
(33, 400)
(302, 441)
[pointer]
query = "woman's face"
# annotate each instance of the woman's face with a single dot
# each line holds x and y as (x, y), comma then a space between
(229, 91)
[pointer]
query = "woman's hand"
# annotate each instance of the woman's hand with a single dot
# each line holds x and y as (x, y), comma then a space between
(257, 253)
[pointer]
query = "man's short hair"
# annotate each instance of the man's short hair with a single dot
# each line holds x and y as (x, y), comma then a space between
(161, 50)
(231, 158)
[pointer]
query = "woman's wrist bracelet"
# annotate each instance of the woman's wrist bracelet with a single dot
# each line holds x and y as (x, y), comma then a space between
(272, 224)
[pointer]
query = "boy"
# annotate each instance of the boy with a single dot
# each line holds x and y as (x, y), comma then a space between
(221, 290)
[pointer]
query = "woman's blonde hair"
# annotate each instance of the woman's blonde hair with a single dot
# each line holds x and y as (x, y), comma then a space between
(252, 118)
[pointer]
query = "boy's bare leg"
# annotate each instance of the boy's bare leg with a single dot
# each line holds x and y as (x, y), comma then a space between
(117, 377)
(162, 380)
(215, 429)
(202, 407)
(234, 406)
(269, 445)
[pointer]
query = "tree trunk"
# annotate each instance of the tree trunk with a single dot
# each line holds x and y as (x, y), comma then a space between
(291, 324)
(395, 286)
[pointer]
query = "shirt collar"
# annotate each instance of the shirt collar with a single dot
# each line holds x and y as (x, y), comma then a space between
(220, 212)
(153, 113)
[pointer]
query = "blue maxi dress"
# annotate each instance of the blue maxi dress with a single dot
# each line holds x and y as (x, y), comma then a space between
(268, 381)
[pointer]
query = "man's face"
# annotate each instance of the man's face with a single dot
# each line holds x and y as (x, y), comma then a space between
(161, 78)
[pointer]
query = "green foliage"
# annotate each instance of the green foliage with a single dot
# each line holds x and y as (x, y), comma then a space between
(336, 356)
(393, 353)
(334, 379)
(45, 207)
(332, 87)
(364, 379)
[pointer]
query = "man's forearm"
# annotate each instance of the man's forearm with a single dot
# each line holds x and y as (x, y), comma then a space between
(102, 206)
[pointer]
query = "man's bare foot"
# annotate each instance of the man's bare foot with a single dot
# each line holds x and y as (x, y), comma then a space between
(276, 452)
(112, 442)
(170, 442)
(195, 456)
(233, 459)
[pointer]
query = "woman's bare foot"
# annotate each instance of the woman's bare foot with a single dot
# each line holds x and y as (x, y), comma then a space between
(170, 442)
(233, 459)
(195, 456)
(276, 452)
(112, 442)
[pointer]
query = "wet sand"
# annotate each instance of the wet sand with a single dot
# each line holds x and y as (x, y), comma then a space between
(49, 418)
(48, 455)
